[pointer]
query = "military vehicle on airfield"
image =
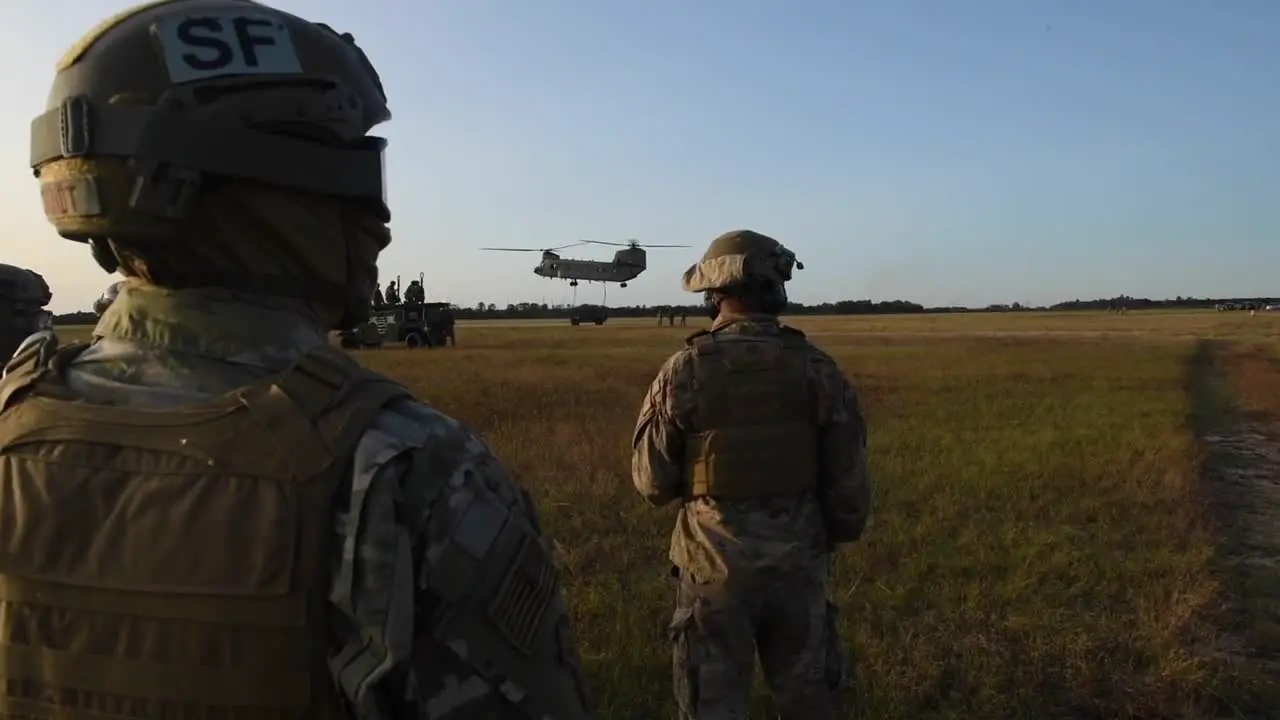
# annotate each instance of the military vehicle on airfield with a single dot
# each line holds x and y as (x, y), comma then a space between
(414, 324)
(596, 314)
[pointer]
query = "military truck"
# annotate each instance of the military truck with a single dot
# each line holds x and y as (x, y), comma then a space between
(416, 325)
(589, 313)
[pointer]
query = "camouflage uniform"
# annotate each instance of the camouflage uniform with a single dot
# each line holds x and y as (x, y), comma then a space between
(156, 348)
(432, 550)
(753, 572)
(107, 297)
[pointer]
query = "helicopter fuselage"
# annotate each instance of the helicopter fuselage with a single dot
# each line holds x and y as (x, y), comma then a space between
(625, 266)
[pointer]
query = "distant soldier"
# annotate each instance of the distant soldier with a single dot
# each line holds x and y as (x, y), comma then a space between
(684, 318)
(661, 313)
(23, 295)
(377, 296)
(759, 436)
(414, 294)
(393, 293)
(449, 321)
(107, 297)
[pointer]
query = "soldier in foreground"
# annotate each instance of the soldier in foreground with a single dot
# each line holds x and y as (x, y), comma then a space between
(208, 511)
(759, 436)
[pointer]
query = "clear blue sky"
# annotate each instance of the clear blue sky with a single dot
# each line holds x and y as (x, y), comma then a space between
(940, 151)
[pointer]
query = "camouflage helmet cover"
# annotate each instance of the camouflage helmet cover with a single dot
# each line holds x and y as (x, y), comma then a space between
(741, 256)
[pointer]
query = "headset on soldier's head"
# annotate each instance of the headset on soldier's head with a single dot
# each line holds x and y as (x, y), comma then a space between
(788, 259)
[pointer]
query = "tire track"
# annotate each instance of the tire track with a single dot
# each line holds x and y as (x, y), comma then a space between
(1240, 482)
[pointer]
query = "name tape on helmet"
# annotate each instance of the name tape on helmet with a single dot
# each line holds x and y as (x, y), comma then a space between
(198, 47)
(73, 197)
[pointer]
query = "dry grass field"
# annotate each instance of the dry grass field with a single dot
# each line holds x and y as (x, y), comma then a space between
(1076, 514)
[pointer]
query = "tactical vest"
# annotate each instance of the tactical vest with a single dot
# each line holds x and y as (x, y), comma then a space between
(757, 437)
(173, 563)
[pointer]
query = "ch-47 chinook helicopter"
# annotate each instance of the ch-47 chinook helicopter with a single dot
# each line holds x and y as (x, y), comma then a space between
(627, 264)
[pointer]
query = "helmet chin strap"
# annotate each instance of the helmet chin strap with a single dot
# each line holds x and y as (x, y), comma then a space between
(103, 254)
(710, 305)
(772, 300)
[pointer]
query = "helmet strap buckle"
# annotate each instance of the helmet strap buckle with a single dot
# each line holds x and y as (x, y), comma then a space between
(103, 254)
(75, 128)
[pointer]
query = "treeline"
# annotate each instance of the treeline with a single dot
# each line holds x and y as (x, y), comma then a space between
(84, 317)
(512, 311)
(1132, 303)
(848, 307)
(481, 311)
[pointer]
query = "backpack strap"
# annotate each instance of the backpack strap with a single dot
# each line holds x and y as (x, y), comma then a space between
(693, 337)
(705, 345)
(788, 330)
(339, 396)
(793, 339)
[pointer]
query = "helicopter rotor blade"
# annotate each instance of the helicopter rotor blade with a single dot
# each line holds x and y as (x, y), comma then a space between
(552, 249)
(633, 243)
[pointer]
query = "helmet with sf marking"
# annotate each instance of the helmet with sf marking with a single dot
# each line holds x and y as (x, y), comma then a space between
(220, 143)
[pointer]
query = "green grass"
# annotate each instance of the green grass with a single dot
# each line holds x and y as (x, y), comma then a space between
(1041, 545)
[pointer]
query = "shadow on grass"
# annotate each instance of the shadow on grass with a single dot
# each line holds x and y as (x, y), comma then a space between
(1235, 468)
(1212, 410)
